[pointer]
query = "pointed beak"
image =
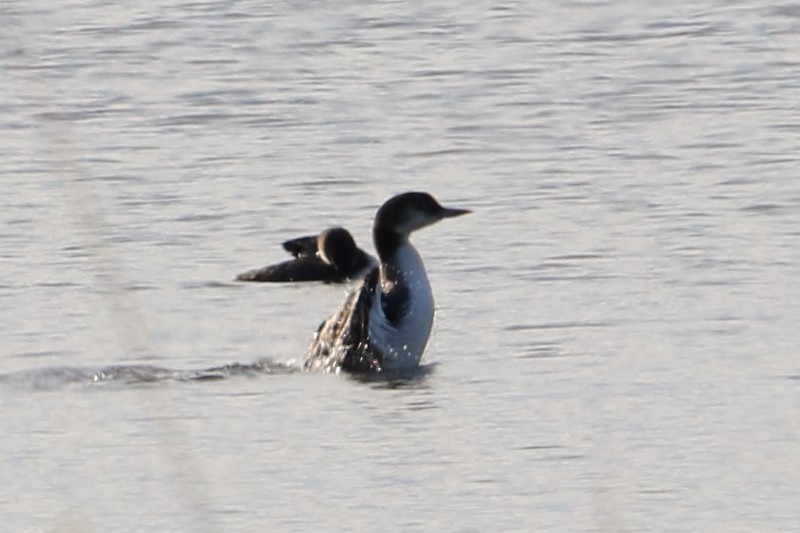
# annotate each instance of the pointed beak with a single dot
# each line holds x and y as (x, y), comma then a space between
(449, 212)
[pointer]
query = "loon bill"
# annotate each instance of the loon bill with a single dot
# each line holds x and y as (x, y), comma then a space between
(332, 257)
(385, 322)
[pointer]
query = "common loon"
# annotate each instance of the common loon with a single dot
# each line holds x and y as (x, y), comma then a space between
(385, 322)
(332, 257)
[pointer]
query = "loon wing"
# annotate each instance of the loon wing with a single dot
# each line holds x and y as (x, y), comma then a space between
(359, 355)
(342, 341)
(304, 268)
(302, 246)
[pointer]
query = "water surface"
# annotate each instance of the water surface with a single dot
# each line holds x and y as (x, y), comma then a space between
(615, 346)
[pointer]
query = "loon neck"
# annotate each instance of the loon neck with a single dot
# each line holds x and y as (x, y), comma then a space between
(387, 242)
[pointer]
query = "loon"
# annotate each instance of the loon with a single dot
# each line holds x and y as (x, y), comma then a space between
(385, 322)
(332, 257)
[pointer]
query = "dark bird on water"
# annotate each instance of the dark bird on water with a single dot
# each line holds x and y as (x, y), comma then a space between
(385, 322)
(332, 257)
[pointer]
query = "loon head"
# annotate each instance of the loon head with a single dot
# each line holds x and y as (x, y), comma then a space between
(336, 247)
(405, 213)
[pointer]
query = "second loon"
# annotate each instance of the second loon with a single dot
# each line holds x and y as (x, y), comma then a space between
(384, 324)
(332, 257)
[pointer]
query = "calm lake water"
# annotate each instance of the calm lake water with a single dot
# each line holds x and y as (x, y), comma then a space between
(616, 340)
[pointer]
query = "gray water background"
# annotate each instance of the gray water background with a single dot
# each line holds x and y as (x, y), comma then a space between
(616, 338)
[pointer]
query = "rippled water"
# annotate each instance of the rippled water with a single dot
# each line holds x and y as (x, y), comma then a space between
(616, 338)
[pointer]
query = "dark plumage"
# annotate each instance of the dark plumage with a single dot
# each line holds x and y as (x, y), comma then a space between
(385, 322)
(332, 257)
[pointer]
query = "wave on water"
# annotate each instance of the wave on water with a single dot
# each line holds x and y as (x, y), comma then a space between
(54, 377)
(135, 374)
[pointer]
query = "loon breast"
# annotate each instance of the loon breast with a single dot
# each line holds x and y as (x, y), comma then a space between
(401, 314)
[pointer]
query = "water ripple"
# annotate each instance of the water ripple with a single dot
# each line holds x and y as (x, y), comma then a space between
(56, 377)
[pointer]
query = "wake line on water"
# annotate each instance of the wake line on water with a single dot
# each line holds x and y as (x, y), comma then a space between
(133, 374)
(55, 377)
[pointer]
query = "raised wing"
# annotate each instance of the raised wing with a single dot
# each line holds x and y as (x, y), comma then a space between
(342, 341)
(359, 355)
(302, 246)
